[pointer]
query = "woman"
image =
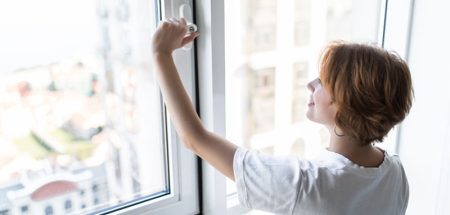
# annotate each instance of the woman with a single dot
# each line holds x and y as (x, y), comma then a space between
(361, 93)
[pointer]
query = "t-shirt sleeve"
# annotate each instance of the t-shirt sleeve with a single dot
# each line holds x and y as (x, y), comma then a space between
(266, 182)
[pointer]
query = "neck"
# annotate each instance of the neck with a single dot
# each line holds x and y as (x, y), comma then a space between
(346, 145)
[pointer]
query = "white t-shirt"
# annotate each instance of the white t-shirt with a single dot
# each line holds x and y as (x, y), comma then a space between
(330, 184)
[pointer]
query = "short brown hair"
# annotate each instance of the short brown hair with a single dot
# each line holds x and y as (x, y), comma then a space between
(371, 87)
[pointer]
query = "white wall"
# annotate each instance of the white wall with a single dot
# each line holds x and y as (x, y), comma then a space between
(424, 141)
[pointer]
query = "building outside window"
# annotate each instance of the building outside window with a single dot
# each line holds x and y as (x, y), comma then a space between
(302, 22)
(262, 94)
(300, 96)
(261, 25)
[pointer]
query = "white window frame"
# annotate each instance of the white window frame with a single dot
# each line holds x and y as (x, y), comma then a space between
(211, 75)
(210, 16)
(183, 196)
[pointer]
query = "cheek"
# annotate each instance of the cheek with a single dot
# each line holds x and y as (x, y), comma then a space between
(325, 107)
(321, 99)
(331, 112)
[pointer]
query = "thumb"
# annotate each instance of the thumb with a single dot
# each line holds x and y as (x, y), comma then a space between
(189, 38)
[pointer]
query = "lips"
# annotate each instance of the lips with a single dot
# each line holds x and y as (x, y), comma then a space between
(310, 102)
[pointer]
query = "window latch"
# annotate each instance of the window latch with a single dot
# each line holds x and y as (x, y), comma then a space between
(186, 13)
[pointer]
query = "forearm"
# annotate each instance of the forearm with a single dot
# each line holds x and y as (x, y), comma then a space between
(214, 149)
(183, 114)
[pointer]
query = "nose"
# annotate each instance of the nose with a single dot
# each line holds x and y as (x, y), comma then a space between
(310, 86)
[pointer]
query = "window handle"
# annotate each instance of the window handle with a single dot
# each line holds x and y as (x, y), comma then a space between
(186, 13)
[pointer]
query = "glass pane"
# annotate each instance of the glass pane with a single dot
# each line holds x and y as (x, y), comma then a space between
(81, 124)
(272, 52)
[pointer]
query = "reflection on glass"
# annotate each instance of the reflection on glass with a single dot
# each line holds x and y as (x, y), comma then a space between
(261, 25)
(262, 100)
(272, 53)
(80, 127)
(299, 95)
(302, 22)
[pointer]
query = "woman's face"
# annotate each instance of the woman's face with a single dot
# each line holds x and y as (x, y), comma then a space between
(321, 109)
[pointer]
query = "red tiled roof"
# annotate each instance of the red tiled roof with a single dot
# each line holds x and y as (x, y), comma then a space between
(52, 189)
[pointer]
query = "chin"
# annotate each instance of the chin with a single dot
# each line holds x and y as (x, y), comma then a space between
(313, 118)
(310, 116)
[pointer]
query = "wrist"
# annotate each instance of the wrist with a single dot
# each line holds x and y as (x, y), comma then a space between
(162, 54)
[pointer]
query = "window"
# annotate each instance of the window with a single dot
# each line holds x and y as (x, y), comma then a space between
(96, 200)
(94, 188)
(24, 209)
(68, 205)
(80, 108)
(266, 85)
(48, 210)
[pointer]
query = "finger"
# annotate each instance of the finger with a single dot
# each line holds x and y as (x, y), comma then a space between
(167, 21)
(162, 22)
(173, 20)
(183, 21)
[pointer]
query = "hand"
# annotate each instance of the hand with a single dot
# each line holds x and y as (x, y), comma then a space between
(171, 34)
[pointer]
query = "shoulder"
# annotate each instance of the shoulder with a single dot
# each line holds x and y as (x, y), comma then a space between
(276, 183)
(256, 158)
(251, 161)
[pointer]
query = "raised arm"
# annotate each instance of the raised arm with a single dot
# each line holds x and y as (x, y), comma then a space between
(170, 35)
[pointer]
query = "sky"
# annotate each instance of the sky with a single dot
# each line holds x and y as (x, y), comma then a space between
(40, 32)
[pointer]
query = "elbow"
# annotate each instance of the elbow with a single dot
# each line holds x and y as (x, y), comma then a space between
(193, 136)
